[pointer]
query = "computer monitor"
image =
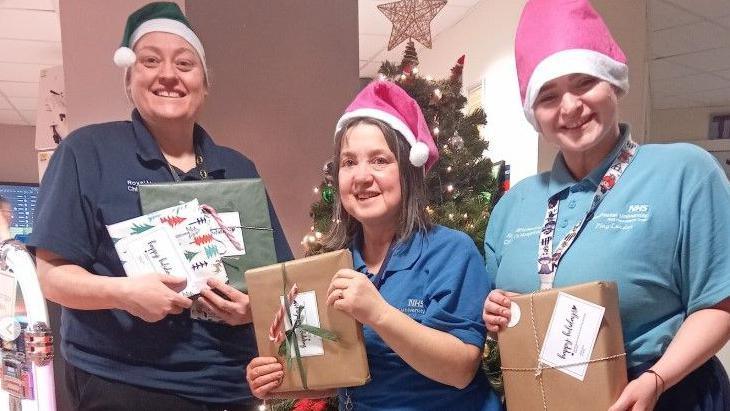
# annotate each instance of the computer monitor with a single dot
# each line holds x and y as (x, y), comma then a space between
(23, 197)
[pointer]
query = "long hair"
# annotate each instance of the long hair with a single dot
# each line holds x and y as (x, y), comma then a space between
(412, 216)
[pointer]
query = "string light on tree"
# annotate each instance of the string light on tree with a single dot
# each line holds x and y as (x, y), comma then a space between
(450, 188)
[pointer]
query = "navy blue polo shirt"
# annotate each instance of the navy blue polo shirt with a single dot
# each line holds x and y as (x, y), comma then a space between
(92, 182)
(439, 280)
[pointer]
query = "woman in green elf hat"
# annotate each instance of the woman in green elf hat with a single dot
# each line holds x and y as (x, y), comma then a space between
(131, 343)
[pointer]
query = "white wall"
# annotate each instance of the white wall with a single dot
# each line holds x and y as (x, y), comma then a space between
(682, 124)
(486, 36)
(17, 156)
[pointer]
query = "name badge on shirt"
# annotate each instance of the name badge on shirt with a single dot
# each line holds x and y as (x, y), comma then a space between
(571, 334)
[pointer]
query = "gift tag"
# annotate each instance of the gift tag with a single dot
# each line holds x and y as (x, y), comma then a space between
(153, 251)
(571, 334)
(304, 308)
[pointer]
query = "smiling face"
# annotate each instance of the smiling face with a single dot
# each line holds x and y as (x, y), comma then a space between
(579, 114)
(369, 178)
(167, 82)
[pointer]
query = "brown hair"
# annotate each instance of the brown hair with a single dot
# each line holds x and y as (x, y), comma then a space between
(413, 216)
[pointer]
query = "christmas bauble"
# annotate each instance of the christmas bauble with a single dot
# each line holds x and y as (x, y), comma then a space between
(485, 196)
(328, 194)
(457, 141)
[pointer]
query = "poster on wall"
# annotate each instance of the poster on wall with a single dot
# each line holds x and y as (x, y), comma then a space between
(44, 156)
(51, 121)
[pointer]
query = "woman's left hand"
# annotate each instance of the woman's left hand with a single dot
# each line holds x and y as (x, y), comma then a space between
(640, 395)
(354, 293)
(234, 311)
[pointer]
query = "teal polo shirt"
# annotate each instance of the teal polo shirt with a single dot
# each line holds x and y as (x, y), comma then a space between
(438, 279)
(662, 234)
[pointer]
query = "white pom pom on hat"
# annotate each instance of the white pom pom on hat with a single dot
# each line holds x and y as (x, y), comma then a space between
(124, 57)
(419, 154)
(388, 102)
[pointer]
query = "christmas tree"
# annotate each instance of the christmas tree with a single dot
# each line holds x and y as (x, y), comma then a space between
(460, 186)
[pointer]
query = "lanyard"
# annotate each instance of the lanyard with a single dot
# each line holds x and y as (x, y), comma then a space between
(199, 164)
(547, 260)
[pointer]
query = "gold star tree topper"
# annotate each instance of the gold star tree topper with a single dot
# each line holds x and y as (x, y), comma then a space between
(411, 20)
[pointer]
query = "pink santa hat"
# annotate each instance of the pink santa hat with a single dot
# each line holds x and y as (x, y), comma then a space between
(559, 37)
(388, 102)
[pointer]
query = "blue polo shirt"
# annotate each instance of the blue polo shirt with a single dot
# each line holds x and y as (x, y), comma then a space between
(662, 234)
(91, 182)
(438, 279)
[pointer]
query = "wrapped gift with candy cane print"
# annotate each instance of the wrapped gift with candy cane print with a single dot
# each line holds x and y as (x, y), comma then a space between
(176, 241)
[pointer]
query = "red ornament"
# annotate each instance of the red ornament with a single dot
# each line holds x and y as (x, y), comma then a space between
(310, 405)
(458, 68)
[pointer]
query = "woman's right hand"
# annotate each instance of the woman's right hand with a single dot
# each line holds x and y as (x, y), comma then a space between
(263, 374)
(152, 297)
(496, 314)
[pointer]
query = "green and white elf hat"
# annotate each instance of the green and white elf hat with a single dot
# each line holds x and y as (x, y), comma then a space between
(159, 16)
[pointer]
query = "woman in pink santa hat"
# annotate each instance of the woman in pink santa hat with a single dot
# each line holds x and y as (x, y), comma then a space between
(653, 218)
(414, 284)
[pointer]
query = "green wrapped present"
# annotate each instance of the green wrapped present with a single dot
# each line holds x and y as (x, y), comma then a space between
(246, 197)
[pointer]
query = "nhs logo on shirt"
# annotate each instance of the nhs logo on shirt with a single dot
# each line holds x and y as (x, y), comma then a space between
(639, 208)
(632, 216)
(414, 307)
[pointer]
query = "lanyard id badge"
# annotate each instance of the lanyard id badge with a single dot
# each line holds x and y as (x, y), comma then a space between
(547, 259)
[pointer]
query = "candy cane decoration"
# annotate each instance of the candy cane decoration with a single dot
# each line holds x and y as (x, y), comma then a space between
(275, 333)
(226, 230)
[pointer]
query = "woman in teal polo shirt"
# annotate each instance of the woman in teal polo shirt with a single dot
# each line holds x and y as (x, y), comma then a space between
(654, 218)
(414, 284)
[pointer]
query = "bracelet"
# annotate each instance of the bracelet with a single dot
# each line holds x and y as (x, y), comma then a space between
(657, 380)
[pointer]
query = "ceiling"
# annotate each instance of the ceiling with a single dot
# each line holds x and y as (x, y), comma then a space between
(690, 53)
(30, 40)
(689, 66)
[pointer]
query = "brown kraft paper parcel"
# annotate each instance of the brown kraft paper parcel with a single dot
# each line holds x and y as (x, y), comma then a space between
(604, 379)
(344, 363)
